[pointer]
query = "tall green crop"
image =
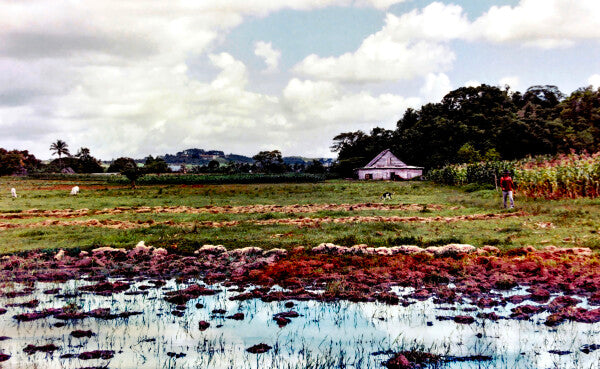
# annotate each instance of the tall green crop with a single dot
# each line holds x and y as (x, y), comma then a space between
(571, 176)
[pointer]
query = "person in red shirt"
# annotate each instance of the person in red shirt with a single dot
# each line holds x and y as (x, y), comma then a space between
(508, 186)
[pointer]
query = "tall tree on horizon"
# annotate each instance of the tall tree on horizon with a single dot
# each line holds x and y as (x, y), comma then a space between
(60, 148)
(83, 153)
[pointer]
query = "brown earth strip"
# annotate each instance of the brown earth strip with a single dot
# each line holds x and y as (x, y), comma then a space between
(248, 209)
(68, 187)
(301, 222)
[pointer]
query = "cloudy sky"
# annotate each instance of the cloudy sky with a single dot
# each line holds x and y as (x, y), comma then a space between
(140, 77)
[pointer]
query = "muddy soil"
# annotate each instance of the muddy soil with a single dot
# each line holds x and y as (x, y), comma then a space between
(249, 209)
(300, 222)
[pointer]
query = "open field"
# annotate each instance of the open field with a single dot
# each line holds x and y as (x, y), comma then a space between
(290, 303)
(284, 215)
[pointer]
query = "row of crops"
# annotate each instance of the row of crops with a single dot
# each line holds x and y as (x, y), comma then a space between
(572, 175)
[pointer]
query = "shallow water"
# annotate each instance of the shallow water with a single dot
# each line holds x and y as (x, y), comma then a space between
(326, 335)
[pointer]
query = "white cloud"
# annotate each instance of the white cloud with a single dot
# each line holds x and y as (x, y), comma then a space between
(379, 4)
(270, 55)
(315, 102)
(406, 47)
(541, 23)
(435, 22)
(512, 81)
(416, 43)
(436, 87)
(472, 83)
(594, 81)
(114, 75)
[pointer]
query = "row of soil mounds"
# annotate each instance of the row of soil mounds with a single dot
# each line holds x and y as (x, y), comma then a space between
(300, 222)
(210, 209)
(549, 276)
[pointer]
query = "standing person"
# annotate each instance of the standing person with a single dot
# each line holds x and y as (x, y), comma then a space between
(508, 186)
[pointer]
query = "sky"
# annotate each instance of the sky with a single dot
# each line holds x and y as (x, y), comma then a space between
(149, 77)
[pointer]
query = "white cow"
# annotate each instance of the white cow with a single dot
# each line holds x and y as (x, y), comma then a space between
(75, 190)
(13, 192)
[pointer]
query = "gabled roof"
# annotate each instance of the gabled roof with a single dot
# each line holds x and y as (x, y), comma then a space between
(372, 163)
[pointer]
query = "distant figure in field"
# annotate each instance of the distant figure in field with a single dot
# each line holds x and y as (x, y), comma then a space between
(75, 190)
(13, 192)
(386, 196)
(507, 185)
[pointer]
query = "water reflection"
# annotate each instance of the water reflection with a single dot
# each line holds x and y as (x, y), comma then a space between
(325, 335)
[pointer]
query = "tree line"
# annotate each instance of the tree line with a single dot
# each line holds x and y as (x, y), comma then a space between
(17, 162)
(472, 124)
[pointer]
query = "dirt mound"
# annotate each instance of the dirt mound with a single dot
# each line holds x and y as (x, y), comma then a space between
(300, 222)
(248, 209)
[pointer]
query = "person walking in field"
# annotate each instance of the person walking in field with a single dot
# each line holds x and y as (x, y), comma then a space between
(508, 186)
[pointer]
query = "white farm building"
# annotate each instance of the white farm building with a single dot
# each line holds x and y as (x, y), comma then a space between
(386, 166)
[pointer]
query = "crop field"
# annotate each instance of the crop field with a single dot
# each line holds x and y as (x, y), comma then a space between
(563, 176)
(295, 275)
(185, 217)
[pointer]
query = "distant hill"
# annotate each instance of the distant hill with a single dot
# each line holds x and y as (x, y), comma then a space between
(291, 160)
(202, 157)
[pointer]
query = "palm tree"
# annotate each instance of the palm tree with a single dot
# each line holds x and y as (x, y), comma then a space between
(60, 148)
(83, 153)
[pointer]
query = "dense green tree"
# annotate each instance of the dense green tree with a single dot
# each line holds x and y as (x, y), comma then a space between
(270, 162)
(86, 163)
(481, 123)
(315, 167)
(537, 109)
(468, 154)
(83, 153)
(213, 166)
(156, 165)
(17, 162)
(120, 164)
(578, 124)
(132, 172)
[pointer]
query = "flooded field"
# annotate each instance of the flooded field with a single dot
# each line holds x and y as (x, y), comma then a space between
(329, 306)
(140, 329)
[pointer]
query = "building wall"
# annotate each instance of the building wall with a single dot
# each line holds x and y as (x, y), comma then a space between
(385, 174)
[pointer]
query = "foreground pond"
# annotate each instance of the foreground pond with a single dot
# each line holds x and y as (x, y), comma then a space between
(324, 335)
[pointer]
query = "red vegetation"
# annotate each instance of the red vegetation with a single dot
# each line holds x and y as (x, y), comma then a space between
(411, 359)
(203, 325)
(236, 316)
(464, 319)
(192, 292)
(32, 349)
(259, 349)
(475, 278)
(80, 334)
(106, 288)
(97, 354)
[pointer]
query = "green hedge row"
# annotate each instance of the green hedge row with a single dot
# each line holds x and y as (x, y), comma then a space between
(231, 178)
(153, 179)
(112, 178)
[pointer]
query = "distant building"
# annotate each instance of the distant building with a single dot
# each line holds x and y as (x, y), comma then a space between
(387, 166)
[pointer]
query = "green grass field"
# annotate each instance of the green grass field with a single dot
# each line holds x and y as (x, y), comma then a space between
(557, 222)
